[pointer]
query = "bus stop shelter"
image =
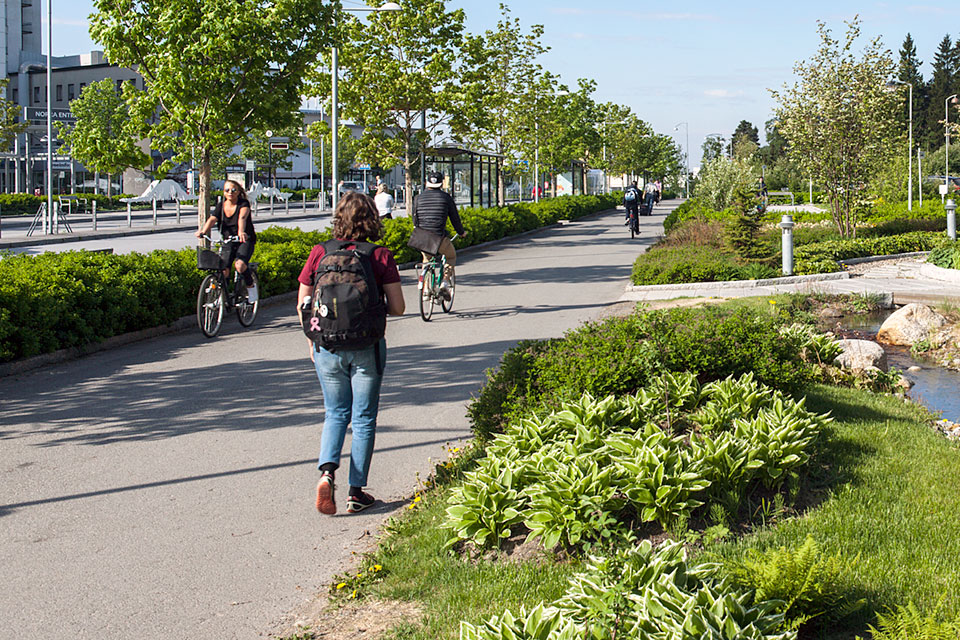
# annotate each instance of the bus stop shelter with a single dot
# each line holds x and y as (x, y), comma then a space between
(469, 176)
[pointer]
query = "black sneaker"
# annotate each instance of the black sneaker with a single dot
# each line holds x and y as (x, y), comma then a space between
(359, 502)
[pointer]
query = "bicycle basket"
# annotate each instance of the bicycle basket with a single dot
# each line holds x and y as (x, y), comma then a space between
(208, 260)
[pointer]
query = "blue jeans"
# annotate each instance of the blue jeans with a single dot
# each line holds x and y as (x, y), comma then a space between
(351, 393)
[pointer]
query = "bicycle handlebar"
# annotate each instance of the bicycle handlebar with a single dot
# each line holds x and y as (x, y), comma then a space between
(222, 240)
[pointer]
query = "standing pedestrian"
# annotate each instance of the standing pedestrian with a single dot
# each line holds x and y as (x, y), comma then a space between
(350, 378)
(384, 201)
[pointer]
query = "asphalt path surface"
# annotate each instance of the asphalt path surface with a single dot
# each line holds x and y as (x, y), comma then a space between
(165, 489)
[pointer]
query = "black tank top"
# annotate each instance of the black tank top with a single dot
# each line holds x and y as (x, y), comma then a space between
(229, 226)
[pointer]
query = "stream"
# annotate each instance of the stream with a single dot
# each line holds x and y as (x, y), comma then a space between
(934, 387)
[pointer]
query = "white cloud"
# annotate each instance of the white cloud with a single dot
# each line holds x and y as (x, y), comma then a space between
(722, 93)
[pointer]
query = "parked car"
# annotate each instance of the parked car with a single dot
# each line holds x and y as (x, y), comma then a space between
(352, 186)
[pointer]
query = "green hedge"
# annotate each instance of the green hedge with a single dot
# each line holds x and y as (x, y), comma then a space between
(694, 263)
(822, 257)
(618, 356)
(24, 204)
(57, 300)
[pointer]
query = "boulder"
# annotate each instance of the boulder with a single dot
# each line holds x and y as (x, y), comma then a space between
(861, 354)
(911, 324)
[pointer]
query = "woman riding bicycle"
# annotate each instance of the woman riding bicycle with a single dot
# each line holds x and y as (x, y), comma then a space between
(232, 215)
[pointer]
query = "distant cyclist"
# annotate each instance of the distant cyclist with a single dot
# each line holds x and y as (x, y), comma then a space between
(431, 209)
(631, 201)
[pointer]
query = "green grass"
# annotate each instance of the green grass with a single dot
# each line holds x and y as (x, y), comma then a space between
(888, 494)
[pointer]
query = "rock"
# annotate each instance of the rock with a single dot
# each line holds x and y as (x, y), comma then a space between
(861, 354)
(912, 324)
(904, 383)
(831, 312)
(914, 368)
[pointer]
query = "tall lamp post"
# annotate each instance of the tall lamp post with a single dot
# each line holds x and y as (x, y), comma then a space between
(686, 177)
(893, 84)
(606, 177)
(52, 219)
(946, 131)
(335, 108)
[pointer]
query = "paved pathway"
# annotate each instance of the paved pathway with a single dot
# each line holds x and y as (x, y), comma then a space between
(164, 489)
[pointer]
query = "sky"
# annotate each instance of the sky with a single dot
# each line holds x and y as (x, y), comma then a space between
(690, 70)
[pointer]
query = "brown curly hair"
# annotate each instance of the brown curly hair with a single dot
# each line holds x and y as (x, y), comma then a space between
(356, 218)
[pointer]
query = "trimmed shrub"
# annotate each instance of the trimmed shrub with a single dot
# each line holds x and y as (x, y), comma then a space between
(822, 257)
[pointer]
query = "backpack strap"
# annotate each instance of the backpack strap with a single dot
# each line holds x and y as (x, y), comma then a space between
(367, 249)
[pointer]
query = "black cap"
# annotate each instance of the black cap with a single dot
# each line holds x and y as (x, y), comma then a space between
(434, 179)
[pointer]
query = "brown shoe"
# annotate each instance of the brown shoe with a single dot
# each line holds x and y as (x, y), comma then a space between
(325, 503)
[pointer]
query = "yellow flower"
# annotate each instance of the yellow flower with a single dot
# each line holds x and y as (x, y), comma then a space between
(354, 594)
(411, 506)
(417, 499)
(773, 302)
(377, 567)
(341, 585)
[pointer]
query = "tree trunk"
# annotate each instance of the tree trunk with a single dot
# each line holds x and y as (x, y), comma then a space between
(203, 196)
(501, 192)
(109, 185)
(408, 179)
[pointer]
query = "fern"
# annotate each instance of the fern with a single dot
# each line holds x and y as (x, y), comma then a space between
(907, 623)
(808, 583)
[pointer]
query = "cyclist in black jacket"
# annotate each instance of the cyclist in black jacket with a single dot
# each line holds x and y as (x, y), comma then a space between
(631, 201)
(431, 209)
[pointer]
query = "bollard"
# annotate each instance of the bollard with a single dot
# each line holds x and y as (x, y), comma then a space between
(271, 205)
(129, 216)
(286, 206)
(786, 223)
(319, 196)
(304, 194)
(178, 212)
(951, 208)
(94, 214)
(154, 201)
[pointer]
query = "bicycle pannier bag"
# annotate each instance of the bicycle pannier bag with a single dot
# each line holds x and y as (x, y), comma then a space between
(425, 241)
(347, 309)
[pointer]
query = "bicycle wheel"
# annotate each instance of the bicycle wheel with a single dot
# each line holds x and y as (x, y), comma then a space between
(634, 225)
(210, 304)
(447, 303)
(246, 310)
(427, 284)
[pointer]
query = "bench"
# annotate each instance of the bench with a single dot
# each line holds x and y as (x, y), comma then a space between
(69, 202)
(783, 194)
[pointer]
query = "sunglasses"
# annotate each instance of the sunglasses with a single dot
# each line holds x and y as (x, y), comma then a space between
(230, 190)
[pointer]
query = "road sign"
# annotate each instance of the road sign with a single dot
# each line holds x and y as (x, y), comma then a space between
(279, 146)
(251, 165)
(363, 167)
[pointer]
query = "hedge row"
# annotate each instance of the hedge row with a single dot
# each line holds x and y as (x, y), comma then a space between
(26, 204)
(57, 300)
(822, 257)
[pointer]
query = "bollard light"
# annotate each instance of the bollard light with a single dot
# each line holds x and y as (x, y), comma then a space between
(786, 223)
(951, 208)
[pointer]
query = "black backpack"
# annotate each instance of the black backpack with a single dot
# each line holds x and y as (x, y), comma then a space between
(347, 309)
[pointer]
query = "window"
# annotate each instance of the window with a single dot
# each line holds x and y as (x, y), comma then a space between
(36, 95)
(59, 93)
(119, 86)
(82, 85)
(70, 94)
(16, 96)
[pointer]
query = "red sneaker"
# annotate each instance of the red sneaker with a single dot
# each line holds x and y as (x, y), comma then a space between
(360, 502)
(325, 503)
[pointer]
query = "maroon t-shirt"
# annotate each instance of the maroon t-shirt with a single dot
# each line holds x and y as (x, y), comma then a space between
(384, 266)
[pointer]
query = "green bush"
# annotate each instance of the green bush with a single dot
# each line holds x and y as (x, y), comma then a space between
(822, 257)
(947, 256)
(57, 300)
(619, 355)
(26, 204)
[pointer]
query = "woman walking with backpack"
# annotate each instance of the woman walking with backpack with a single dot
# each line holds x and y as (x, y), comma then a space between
(347, 287)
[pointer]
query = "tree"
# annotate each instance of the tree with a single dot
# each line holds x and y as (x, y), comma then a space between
(501, 64)
(214, 69)
(745, 131)
(908, 71)
(104, 137)
(712, 149)
(398, 66)
(839, 119)
(11, 125)
(940, 86)
(346, 151)
(722, 180)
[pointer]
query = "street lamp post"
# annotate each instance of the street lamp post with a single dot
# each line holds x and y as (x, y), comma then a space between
(686, 176)
(53, 219)
(335, 109)
(894, 83)
(946, 130)
(606, 177)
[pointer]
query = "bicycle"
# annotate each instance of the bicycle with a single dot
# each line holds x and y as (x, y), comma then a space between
(634, 222)
(429, 277)
(215, 296)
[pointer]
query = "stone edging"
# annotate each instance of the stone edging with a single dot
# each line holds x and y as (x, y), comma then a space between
(893, 256)
(741, 284)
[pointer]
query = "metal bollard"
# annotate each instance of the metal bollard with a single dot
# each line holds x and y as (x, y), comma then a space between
(129, 216)
(951, 208)
(178, 212)
(154, 201)
(286, 206)
(786, 223)
(319, 197)
(94, 214)
(271, 205)
(304, 194)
